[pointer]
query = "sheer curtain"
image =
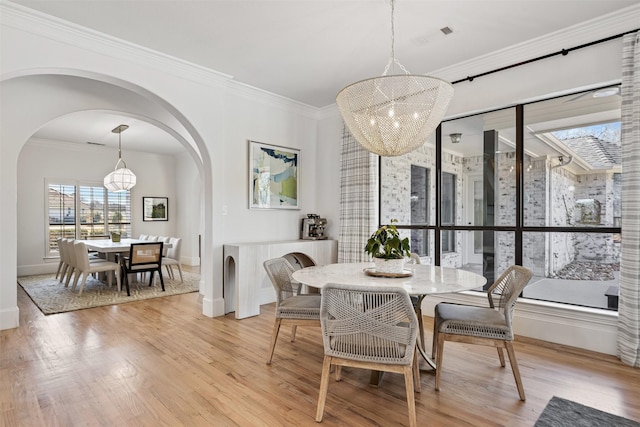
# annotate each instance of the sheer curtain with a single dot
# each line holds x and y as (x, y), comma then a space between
(629, 303)
(358, 199)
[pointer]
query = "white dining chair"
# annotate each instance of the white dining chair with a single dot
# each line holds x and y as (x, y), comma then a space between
(84, 267)
(172, 257)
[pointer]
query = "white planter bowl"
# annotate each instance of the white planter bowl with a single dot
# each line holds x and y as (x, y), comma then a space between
(392, 266)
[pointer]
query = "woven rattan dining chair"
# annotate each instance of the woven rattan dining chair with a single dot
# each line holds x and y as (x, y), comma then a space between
(370, 328)
(143, 258)
(483, 325)
(292, 307)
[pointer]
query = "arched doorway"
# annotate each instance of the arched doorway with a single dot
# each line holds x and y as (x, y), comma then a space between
(35, 98)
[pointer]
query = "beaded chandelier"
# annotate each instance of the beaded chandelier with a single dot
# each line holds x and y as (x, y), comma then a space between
(392, 115)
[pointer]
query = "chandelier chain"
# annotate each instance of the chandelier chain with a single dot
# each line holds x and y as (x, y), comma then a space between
(392, 59)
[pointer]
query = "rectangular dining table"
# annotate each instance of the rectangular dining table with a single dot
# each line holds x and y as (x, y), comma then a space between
(110, 248)
(107, 246)
(419, 280)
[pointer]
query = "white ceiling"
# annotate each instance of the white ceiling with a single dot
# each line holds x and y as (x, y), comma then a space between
(307, 50)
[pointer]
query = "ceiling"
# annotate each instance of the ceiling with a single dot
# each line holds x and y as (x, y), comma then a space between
(307, 50)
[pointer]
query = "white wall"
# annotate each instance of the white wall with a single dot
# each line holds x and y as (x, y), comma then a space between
(187, 208)
(40, 160)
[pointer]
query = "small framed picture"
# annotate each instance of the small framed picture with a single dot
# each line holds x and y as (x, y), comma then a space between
(274, 173)
(155, 209)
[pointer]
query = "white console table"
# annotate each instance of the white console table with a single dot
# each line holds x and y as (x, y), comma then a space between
(246, 284)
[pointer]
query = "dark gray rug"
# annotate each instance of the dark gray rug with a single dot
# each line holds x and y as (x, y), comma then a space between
(565, 413)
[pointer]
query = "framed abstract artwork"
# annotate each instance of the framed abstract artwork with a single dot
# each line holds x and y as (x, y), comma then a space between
(273, 176)
(155, 209)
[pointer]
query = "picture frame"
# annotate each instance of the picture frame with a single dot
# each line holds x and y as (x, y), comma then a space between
(274, 176)
(155, 209)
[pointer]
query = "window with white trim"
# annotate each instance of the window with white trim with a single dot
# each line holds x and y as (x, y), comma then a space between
(81, 210)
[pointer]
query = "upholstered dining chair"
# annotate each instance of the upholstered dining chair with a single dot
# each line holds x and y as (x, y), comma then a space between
(292, 307)
(84, 267)
(490, 326)
(172, 257)
(370, 328)
(68, 253)
(62, 265)
(143, 257)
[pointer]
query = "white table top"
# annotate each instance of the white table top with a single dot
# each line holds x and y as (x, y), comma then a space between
(425, 280)
(106, 245)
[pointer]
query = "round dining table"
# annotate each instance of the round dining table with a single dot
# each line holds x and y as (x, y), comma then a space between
(419, 280)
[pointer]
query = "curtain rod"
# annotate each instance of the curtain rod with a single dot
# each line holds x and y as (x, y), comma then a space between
(562, 52)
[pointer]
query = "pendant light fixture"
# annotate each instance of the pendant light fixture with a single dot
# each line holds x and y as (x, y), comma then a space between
(392, 115)
(121, 179)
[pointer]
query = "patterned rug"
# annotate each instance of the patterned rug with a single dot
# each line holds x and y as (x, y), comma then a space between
(565, 413)
(52, 297)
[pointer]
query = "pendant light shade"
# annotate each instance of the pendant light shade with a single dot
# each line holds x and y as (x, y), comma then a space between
(121, 179)
(392, 115)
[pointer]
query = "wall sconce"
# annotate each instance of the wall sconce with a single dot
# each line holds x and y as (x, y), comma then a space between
(455, 137)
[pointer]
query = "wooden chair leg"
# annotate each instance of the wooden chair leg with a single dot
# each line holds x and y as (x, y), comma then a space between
(514, 367)
(180, 271)
(411, 400)
(294, 328)
(416, 372)
(324, 386)
(434, 340)
(501, 356)
(440, 350)
(274, 338)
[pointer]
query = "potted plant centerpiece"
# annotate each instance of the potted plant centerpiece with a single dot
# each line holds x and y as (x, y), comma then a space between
(388, 250)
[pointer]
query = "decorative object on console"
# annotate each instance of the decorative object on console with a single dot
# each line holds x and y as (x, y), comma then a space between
(273, 176)
(121, 179)
(313, 227)
(388, 250)
(392, 115)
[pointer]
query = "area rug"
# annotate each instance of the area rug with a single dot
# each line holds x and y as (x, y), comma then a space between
(565, 413)
(52, 297)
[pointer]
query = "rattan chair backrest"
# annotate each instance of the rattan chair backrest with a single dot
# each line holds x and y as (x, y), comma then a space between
(368, 323)
(279, 271)
(504, 292)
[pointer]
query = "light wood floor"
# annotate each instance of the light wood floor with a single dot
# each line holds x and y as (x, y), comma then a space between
(161, 363)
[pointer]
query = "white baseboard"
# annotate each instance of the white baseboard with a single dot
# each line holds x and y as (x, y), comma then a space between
(33, 270)
(9, 318)
(581, 327)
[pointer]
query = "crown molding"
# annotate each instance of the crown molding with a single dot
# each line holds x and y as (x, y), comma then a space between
(43, 25)
(255, 94)
(618, 22)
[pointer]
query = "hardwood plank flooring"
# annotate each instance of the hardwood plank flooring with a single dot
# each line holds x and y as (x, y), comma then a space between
(160, 362)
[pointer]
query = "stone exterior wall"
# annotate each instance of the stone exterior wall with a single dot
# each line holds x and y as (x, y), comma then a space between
(536, 206)
(550, 199)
